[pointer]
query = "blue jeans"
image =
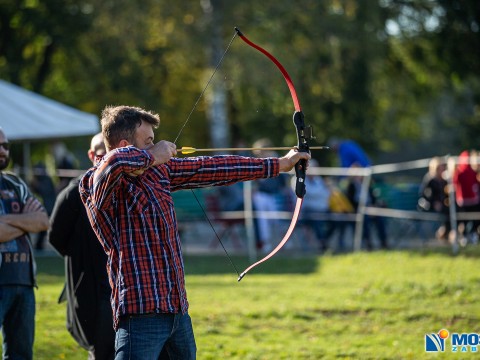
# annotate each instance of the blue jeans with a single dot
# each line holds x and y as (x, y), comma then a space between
(17, 317)
(143, 337)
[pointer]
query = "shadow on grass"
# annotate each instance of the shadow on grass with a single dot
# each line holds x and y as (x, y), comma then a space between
(203, 265)
(469, 251)
(280, 264)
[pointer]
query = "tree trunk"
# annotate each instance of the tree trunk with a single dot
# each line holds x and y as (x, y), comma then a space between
(217, 97)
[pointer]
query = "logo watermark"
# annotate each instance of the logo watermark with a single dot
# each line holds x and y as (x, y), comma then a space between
(436, 342)
(452, 342)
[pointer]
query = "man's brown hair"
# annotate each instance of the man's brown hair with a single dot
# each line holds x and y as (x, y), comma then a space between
(121, 122)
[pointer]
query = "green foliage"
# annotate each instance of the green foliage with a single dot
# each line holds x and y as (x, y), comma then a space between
(359, 306)
(33, 31)
(376, 72)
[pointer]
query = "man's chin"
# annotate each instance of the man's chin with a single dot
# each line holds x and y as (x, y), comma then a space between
(4, 163)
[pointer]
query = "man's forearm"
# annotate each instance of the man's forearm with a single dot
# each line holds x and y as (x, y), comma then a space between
(8, 232)
(27, 222)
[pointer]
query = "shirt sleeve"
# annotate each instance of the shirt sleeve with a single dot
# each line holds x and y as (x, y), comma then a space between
(203, 171)
(99, 182)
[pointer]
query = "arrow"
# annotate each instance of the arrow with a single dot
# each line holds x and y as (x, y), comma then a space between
(190, 150)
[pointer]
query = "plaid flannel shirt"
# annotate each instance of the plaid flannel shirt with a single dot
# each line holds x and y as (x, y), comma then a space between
(134, 219)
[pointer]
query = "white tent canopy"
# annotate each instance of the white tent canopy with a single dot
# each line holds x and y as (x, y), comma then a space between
(25, 115)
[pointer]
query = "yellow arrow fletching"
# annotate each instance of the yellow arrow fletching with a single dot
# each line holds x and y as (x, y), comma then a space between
(187, 150)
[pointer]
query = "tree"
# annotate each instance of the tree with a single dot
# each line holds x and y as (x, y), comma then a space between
(31, 34)
(434, 45)
(376, 72)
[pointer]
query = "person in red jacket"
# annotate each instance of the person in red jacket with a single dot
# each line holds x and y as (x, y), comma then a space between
(467, 195)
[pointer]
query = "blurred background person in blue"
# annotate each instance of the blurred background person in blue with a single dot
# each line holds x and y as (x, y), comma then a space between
(349, 153)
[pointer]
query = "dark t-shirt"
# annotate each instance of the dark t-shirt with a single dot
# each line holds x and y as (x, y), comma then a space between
(16, 264)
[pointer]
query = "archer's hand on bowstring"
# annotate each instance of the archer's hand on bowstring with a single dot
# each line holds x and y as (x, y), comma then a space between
(162, 152)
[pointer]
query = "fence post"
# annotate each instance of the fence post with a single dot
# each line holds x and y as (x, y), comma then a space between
(249, 225)
(452, 203)
(360, 216)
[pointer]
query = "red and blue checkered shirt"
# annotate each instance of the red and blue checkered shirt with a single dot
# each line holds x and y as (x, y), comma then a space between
(134, 219)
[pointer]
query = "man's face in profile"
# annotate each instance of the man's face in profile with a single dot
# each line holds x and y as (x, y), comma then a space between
(4, 151)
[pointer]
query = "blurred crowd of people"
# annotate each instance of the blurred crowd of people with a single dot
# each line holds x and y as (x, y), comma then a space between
(436, 195)
(331, 199)
(328, 210)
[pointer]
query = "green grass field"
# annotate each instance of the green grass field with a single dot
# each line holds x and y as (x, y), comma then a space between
(375, 305)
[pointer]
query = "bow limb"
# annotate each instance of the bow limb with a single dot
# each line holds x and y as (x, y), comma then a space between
(303, 135)
(296, 213)
(284, 72)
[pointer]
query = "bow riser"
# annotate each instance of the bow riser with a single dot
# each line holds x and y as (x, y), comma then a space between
(304, 134)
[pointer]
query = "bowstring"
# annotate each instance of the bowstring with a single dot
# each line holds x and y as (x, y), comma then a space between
(216, 234)
(180, 132)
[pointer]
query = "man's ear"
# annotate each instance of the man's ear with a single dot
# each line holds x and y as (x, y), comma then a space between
(91, 155)
(123, 143)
